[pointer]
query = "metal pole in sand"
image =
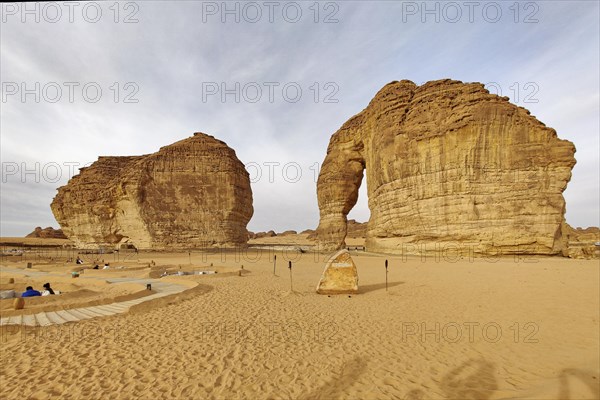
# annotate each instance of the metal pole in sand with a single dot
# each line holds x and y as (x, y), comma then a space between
(290, 267)
(386, 272)
(190, 256)
(274, 263)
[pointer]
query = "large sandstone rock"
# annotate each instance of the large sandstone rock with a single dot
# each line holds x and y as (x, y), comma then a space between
(193, 193)
(582, 243)
(340, 275)
(448, 165)
(47, 233)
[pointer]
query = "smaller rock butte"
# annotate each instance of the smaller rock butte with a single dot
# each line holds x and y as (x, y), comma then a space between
(194, 193)
(47, 233)
(583, 243)
(260, 235)
(356, 229)
(448, 165)
(340, 275)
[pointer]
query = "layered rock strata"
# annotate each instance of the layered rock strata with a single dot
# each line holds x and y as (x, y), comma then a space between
(193, 193)
(448, 165)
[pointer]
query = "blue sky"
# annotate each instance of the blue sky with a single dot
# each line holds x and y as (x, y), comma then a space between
(169, 55)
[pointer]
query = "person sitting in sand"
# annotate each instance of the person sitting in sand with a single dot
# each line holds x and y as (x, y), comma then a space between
(96, 266)
(106, 266)
(79, 260)
(48, 290)
(30, 292)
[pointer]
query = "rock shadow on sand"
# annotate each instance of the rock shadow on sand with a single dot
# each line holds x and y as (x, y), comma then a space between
(589, 379)
(334, 388)
(473, 379)
(377, 286)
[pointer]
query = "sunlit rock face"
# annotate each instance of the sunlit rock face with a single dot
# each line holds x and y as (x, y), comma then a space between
(448, 166)
(340, 275)
(193, 193)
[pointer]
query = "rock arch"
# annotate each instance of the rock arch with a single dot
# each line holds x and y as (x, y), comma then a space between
(448, 164)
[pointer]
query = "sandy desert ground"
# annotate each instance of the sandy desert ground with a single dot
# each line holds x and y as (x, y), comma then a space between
(507, 328)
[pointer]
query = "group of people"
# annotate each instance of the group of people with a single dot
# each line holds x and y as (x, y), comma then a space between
(31, 292)
(79, 261)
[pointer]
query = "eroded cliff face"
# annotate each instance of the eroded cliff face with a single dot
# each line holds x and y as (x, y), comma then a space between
(193, 193)
(449, 166)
